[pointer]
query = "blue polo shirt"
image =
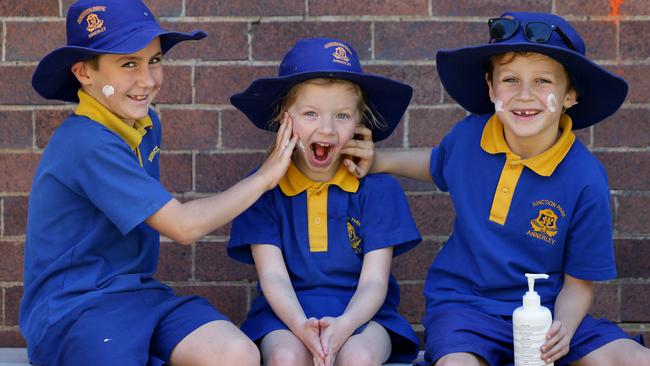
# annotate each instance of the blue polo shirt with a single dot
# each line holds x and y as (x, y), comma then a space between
(96, 183)
(546, 214)
(323, 230)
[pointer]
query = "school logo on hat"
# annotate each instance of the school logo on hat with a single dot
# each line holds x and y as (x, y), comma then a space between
(340, 53)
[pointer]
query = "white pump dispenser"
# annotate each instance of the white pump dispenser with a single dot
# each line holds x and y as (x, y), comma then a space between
(530, 323)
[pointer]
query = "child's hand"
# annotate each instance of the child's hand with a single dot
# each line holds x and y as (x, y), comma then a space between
(310, 337)
(363, 149)
(277, 162)
(334, 332)
(557, 344)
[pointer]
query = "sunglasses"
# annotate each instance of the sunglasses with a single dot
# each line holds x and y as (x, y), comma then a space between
(536, 32)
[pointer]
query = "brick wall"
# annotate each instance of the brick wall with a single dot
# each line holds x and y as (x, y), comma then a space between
(209, 145)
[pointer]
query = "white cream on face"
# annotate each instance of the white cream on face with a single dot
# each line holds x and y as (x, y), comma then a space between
(551, 102)
(301, 146)
(108, 90)
(498, 106)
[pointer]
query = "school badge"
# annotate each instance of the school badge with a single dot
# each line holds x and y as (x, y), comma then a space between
(94, 24)
(340, 53)
(544, 226)
(355, 240)
(546, 222)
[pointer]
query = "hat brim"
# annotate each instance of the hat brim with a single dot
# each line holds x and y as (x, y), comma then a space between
(53, 79)
(600, 93)
(387, 98)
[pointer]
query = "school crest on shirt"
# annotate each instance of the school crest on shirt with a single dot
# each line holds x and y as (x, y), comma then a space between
(94, 24)
(544, 226)
(355, 240)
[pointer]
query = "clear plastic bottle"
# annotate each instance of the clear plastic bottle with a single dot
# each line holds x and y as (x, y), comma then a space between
(530, 323)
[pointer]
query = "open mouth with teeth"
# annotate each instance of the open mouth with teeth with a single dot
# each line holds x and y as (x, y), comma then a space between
(138, 98)
(525, 112)
(321, 150)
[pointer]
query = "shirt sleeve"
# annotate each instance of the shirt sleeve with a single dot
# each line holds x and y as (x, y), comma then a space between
(111, 177)
(590, 247)
(259, 224)
(437, 164)
(386, 217)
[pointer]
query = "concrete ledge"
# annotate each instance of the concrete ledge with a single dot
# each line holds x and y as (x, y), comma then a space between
(18, 356)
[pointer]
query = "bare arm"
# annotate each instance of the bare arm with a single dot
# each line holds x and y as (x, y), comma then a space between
(187, 222)
(571, 306)
(411, 163)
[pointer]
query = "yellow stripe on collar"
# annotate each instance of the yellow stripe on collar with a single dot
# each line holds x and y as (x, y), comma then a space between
(91, 108)
(294, 183)
(544, 164)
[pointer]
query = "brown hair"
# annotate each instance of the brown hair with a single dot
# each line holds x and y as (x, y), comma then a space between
(508, 57)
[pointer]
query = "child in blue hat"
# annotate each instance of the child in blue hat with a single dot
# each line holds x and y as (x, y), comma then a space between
(528, 196)
(97, 207)
(323, 240)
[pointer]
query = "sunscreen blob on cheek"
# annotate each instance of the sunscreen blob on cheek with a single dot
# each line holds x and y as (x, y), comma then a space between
(551, 102)
(498, 106)
(108, 90)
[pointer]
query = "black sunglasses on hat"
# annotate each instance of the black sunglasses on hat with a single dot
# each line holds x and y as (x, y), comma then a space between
(537, 32)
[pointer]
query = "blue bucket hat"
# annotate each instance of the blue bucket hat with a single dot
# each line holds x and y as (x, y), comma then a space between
(600, 93)
(96, 27)
(324, 58)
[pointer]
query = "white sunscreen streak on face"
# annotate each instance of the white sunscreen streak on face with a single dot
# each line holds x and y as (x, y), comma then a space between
(108, 90)
(551, 102)
(301, 146)
(498, 106)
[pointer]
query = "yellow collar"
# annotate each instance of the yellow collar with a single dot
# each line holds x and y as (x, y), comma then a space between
(91, 108)
(494, 142)
(294, 182)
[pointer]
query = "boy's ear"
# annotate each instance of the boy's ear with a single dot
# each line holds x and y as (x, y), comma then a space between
(490, 90)
(570, 99)
(80, 71)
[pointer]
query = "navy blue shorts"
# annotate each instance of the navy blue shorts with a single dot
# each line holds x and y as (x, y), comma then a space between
(464, 329)
(126, 328)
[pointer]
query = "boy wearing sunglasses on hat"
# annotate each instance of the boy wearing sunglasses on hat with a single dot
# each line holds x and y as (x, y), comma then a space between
(97, 207)
(322, 241)
(529, 197)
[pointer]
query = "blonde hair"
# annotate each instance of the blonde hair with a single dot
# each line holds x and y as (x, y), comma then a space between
(369, 117)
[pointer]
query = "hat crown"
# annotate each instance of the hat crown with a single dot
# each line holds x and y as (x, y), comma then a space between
(556, 40)
(320, 55)
(95, 23)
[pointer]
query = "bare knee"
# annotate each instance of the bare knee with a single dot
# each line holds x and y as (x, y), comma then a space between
(360, 357)
(639, 357)
(239, 351)
(280, 356)
(459, 359)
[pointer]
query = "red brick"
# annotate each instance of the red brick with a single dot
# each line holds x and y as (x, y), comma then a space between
(606, 302)
(411, 304)
(244, 8)
(423, 79)
(632, 46)
(176, 172)
(177, 87)
(225, 41)
(16, 86)
(161, 8)
(230, 300)
(628, 127)
(272, 40)
(27, 41)
(16, 131)
(396, 139)
(427, 127)
(599, 38)
(633, 257)
(239, 133)
(368, 7)
(421, 40)
(637, 77)
(12, 338)
(187, 129)
(414, 264)
(433, 214)
(627, 170)
(15, 215)
(175, 263)
(12, 304)
(46, 122)
(213, 264)
(600, 7)
(489, 8)
(215, 84)
(412, 185)
(29, 8)
(18, 171)
(11, 261)
(633, 214)
(634, 302)
(217, 172)
(584, 135)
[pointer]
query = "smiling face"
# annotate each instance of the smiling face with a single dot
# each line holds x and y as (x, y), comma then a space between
(325, 113)
(136, 79)
(530, 92)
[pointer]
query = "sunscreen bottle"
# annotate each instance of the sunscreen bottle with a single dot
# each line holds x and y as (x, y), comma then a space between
(530, 323)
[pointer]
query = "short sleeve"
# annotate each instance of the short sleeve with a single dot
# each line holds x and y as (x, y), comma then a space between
(386, 217)
(589, 245)
(111, 177)
(437, 164)
(259, 224)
